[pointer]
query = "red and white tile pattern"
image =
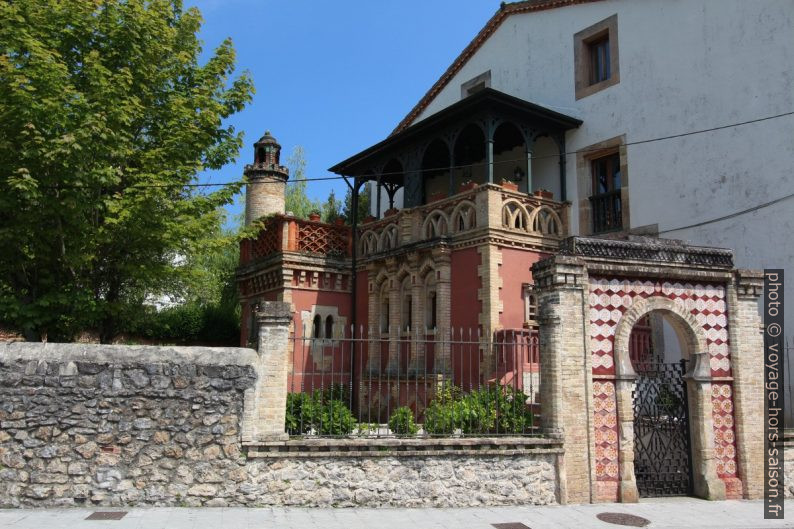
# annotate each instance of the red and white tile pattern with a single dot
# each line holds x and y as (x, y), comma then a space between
(605, 421)
(609, 299)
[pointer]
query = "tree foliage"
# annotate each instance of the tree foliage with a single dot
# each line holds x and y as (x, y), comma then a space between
(363, 205)
(106, 118)
(296, 201)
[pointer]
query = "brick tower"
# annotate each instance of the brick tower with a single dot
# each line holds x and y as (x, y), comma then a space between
(267, 180)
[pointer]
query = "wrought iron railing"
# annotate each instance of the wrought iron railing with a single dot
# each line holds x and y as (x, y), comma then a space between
(405, 383)
(607, 212)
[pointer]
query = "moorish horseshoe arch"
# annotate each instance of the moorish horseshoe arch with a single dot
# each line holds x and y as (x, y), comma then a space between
(706, 483)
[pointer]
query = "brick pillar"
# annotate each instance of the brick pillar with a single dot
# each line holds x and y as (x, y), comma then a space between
(747, 366)
(566, 379)
(443, 359)
(270, 401)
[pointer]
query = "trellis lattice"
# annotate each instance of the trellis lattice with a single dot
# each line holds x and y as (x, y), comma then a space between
(322, 239)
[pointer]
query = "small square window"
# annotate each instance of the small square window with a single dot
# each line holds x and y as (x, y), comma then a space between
(596, 64)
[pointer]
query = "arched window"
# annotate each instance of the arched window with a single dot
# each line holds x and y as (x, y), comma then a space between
(329, 327)
(407, 304)
(530, 306)
(317, 326)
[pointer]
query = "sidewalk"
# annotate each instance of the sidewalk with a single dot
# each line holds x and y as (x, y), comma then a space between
(669, 512)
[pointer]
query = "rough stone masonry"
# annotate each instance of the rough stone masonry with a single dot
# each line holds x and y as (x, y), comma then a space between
(116, 425)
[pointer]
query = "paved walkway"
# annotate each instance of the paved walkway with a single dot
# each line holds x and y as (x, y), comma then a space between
(677, 512)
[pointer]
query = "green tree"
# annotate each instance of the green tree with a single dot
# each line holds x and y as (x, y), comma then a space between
(332, 209)
(363, 205)
(106, 118)
(296, 201)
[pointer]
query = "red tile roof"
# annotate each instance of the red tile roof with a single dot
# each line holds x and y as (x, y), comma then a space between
(490, 27)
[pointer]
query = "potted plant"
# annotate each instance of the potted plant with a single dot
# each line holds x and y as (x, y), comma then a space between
(467, 185)
(314, 216)
(543, 193)
(509, 185)
(391, 211)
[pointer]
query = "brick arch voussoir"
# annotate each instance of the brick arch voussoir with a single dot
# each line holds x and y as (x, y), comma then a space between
(696, 339)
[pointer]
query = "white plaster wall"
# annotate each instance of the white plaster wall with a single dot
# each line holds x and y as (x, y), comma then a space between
(685, 65)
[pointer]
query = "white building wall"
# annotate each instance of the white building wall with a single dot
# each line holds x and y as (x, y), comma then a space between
(685, 65)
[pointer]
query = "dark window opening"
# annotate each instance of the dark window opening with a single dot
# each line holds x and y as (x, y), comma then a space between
(316, 326)
(329, 327)
(433, 310)
(599, 59)
(606, 200)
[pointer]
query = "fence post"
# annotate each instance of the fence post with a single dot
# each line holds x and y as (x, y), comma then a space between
(273, 319)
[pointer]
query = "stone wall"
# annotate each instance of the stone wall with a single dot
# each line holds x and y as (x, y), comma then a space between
(112, 425)
(162, 426)
(394, 481)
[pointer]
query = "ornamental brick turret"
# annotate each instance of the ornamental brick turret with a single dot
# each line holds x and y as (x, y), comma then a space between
(267, 180)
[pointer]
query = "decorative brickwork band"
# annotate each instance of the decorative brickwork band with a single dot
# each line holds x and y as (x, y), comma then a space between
(647, 249)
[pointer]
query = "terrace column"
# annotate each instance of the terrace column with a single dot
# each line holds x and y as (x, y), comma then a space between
(529, 168)
(566, 381)
(560, 140)
(380, 187)
(489, 152)
(747, 366)
(265, 415)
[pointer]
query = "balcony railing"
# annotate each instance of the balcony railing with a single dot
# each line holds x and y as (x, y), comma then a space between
(291, 234)
(486, 206)
(607, 212)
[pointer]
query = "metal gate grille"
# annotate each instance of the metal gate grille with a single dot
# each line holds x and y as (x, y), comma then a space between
(662, 461)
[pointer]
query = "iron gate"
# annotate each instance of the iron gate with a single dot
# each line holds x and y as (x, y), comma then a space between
(662, 454)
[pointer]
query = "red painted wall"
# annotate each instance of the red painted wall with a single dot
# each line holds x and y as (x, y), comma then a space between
(515, 271)
(465, 283)
(304, 299)
(362, 300)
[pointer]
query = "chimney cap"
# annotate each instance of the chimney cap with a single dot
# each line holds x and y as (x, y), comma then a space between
(267, 139)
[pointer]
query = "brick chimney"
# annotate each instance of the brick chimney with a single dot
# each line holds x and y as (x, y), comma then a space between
(267, 180)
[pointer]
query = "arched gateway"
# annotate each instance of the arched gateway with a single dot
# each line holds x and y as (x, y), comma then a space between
(670, 409)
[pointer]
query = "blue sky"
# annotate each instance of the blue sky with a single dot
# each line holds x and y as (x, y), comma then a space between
(335, 77)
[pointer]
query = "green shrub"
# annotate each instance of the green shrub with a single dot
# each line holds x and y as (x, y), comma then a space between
(489, 410)
(402, 422)
(333, 418)
(299, 411)
(318, 413)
